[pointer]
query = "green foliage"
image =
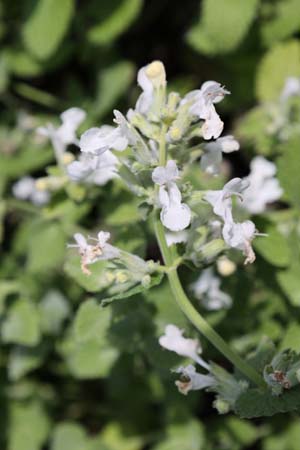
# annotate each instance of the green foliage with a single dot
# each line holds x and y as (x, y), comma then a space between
(280, 62)
(220, 30)
(49, 21)
(22, 325)
(284, 21)
(114, 22)
(288, 164)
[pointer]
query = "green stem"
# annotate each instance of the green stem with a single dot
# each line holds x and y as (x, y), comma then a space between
(195, 317)
(184, 303)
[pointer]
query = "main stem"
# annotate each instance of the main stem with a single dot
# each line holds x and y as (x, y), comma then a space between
(184, 303)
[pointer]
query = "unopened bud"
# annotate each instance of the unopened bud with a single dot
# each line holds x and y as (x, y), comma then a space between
(146, 280)
(225, 266)
(156, 73)
(121, 277)
(41, 184)
(175, 133)
(68, 158)
(221, 406)
(109, 276)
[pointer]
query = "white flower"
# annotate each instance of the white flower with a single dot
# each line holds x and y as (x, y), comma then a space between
(207, 290)
(174, 341)
(202, 105)
(221, 199)
(149, 78)
(190, 380)
(91, 253)
(240, 236)
(25, 189)
(176, 237)
(66, 133)
(94, 169)
(175, 216)
(263, 187)
(164, 175)
(212, 158)
(291, 88)
(99, 140)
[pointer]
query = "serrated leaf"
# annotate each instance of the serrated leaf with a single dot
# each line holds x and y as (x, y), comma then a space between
(115, 23)
(288, 171)
(46, 26)
(280, 62)
(285, 22)
(222, 26)
(258, 403)
(274, 247)
(22, 324)
(134, 290)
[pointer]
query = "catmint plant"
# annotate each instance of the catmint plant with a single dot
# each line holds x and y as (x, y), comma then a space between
(151, 149)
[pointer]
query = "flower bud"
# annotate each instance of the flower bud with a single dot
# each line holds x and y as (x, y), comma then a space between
(156, 73)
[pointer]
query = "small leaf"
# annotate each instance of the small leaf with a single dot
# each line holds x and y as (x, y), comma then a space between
(113, 82)
(285, 21)
(46, 26)
(184, 436)
(69, 436)
(222, 27)
(274, 247)
(116, 23)
(28, 426)
(54, 309)
(23, 360)
(22, 324)
(134, 290)
(91, 321)
(291, 338)
(282, 61)
(288, 170)
(289, 282)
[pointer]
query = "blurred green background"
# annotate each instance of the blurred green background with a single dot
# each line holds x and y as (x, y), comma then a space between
(74, 379)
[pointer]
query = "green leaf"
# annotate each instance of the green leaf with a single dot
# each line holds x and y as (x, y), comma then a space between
(23, 360)
(288, 171)
(183, 436)
(256, 403)
(116, 438)
(280, 62)
(285, 22)
(91, 321)
(222, 26)
(113, 82)
(97, 281)
(46, 26)
(289, 282)
(274, 248)
(28, 427)
(291, 338)
(7, 287)
(116, 22)
(46, 247)
(54, 309)
(29, 159)
(69, 436)
(22, 64)
(22, 324)
(91, 359)
(134, 290)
